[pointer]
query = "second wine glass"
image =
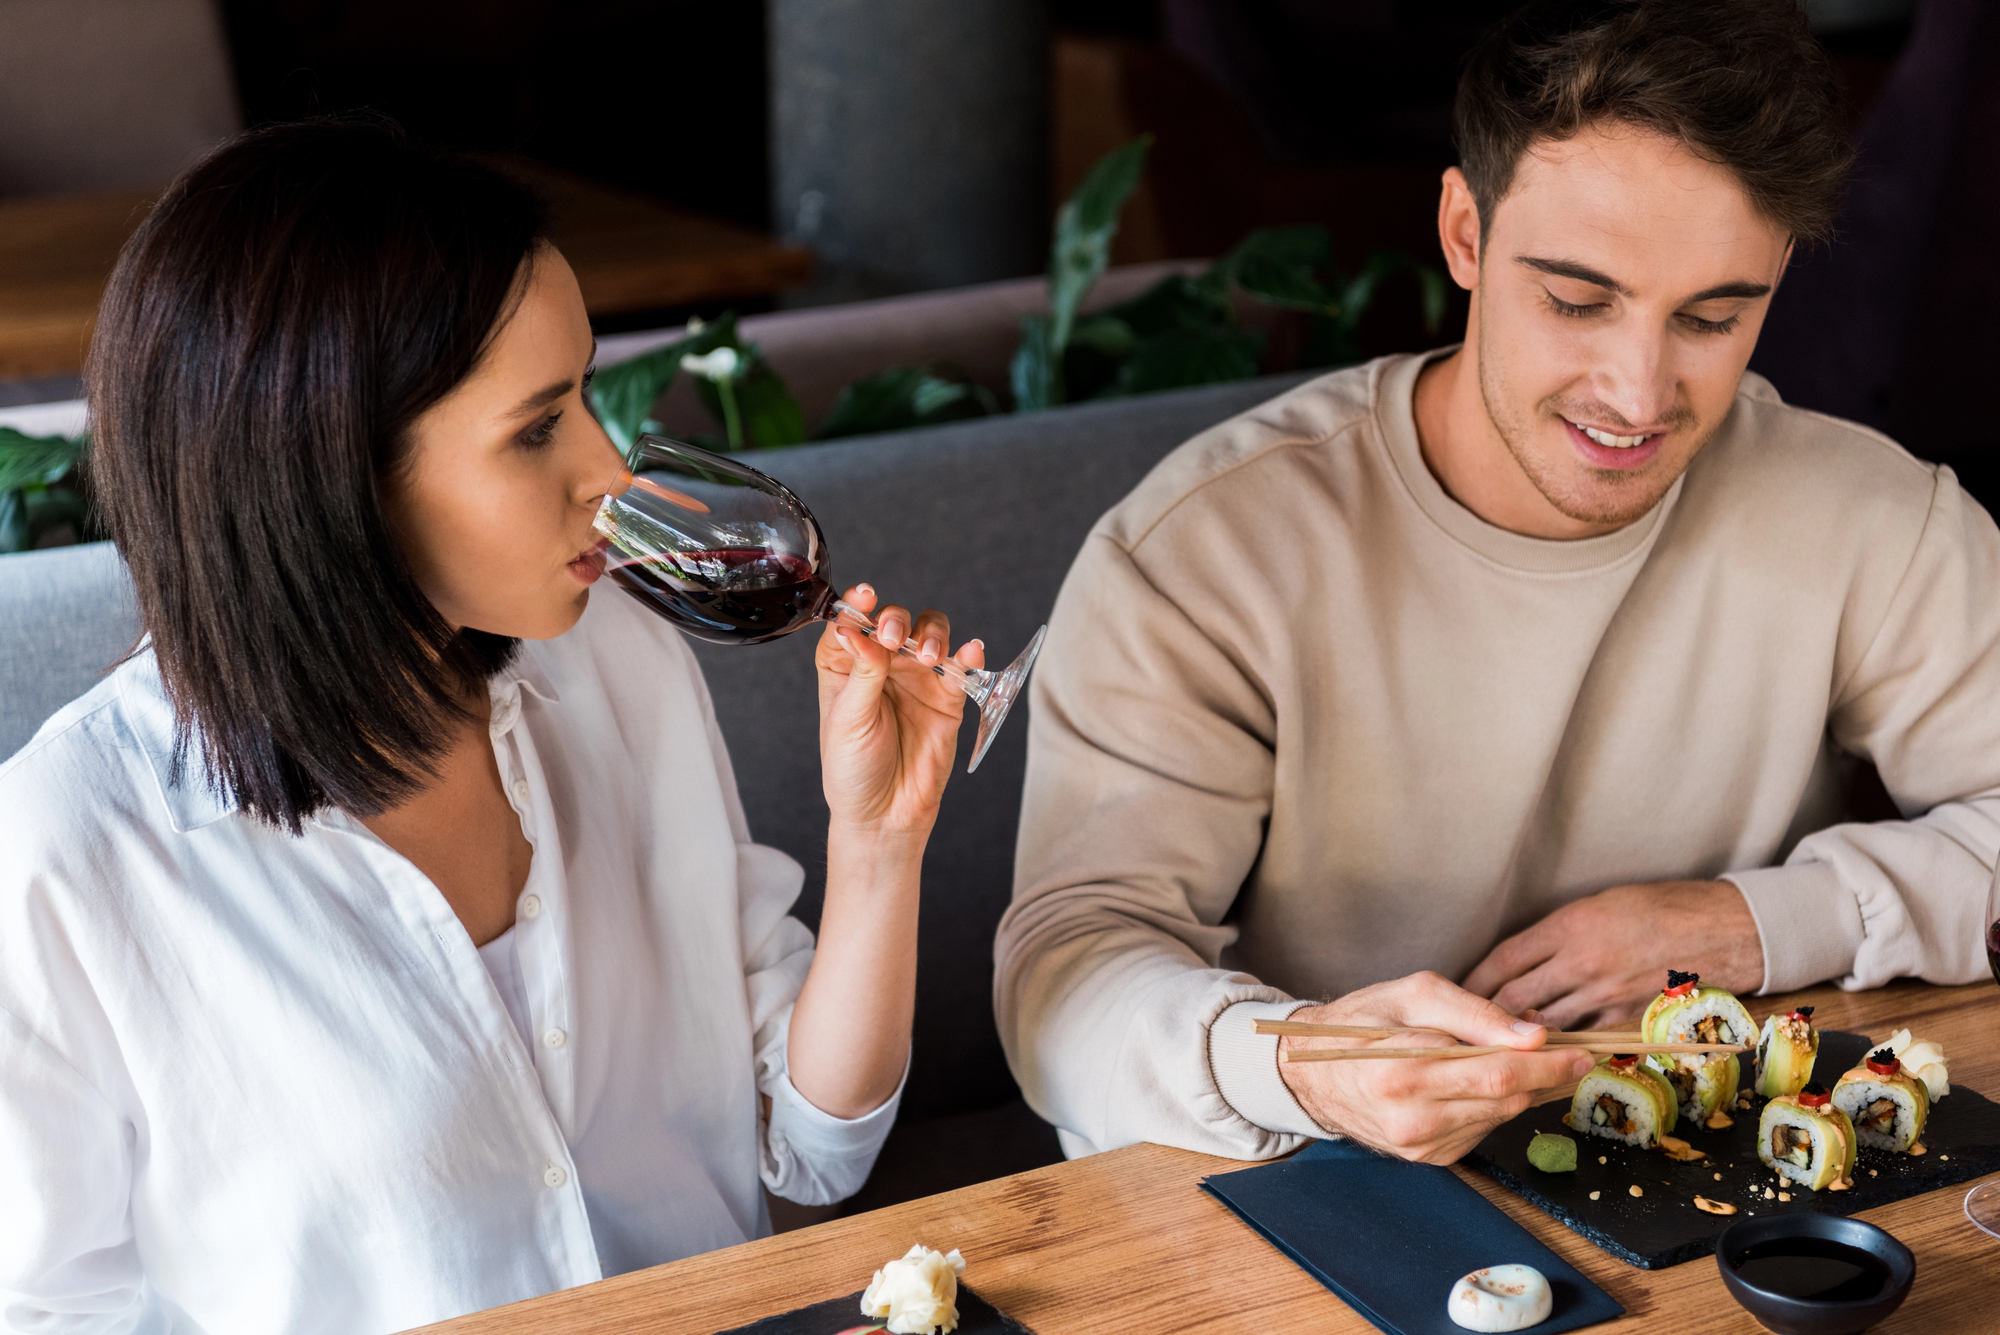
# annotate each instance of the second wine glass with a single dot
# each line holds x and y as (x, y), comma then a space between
(732, 556)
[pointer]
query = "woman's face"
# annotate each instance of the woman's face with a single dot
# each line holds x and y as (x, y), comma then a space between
(504, 474)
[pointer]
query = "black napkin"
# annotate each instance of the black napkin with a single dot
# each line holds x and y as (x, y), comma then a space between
(1391, 1238)
(976, 1316)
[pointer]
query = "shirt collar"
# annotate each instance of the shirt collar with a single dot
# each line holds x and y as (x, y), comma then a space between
(191, 800)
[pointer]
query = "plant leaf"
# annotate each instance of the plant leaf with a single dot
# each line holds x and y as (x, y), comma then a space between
(14, 522)
(1085, 226)
(1175, 302)
(1182, 358)
(624, 393)
(904, 397)
(35, 461)
(771, 416)
(1035, 374)
(1281, 267)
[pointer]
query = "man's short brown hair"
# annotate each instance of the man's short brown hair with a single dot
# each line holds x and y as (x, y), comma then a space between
(1741, 83)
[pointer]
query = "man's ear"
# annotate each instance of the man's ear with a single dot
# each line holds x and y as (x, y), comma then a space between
(1458, 229)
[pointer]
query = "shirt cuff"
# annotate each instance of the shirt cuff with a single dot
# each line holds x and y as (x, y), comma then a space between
(808, 1130)
(1809, 924)
(1245, 1064)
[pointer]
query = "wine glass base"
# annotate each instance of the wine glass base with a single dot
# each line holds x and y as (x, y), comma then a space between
(993, 711)
(1982, 1207)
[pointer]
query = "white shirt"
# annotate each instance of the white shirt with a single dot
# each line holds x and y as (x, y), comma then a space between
(251, 1082)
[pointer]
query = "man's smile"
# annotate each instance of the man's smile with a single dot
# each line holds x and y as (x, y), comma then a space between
(1603, 448)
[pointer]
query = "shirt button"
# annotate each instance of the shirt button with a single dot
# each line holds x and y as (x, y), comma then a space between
(555, 1038)
(520, 790)
(554, 1175)
(531, 907)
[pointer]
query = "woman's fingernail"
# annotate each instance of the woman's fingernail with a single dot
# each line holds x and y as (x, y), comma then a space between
(1523, 1027)
(864, 588)
(970, 643)
(934, 648)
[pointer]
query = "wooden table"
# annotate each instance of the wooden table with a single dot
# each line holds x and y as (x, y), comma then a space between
(630, 254)
(1124, 1242)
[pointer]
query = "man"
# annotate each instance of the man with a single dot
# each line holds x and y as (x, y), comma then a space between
(1533, 664)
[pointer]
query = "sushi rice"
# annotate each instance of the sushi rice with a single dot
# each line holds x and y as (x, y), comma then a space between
(1810, 1146)
(1632, 1104)
(1888, 1111)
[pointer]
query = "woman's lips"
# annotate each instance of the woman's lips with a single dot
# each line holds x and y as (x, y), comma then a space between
(588, 566)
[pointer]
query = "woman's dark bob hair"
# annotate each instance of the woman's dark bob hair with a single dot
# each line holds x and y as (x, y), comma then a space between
(293, 304)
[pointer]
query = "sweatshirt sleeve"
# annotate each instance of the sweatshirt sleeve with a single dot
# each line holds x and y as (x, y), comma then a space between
(1148, 787)
(1871, 902)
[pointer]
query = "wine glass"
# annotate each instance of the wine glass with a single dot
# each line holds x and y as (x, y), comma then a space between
(1982, 1203)
(730, 555)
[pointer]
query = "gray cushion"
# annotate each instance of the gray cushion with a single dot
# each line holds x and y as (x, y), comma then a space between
(981, 519)
(66, 617)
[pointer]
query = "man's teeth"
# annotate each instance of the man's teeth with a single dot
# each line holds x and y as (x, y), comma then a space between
(1606, 438)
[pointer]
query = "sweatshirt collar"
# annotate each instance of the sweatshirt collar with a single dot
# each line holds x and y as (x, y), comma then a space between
(1395, 412)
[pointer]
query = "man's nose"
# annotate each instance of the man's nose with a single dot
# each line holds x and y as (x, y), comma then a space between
(1637, 378)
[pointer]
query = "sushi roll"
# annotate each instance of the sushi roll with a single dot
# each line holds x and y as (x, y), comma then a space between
(1785, 1053)
(1704, 1084)
(1887, 1104)
(1804, 1139)
(1687, 1012)
(1624, 1101)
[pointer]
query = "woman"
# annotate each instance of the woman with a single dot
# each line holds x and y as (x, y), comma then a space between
(383, 940)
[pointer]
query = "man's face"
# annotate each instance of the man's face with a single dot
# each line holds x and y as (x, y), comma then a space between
(1620, 292)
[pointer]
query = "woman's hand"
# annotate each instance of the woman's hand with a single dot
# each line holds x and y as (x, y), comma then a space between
(888, 726)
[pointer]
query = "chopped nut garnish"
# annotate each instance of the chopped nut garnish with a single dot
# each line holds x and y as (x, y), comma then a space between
(1636, 1190)
(1943, 1158)
(1918, 1148)
(1719, 1120)
(1676, 1148)
(1871, 1172)
(1784, 1195)
(1595, 1194)
(1713, 1207)
(1602, 1159)
(1841, 1185)
(1769, 1194)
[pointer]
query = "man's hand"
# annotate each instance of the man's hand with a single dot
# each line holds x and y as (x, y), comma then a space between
(1429, 1110)
(1601, 959)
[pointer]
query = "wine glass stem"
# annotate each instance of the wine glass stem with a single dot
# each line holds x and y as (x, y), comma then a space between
(975, 682)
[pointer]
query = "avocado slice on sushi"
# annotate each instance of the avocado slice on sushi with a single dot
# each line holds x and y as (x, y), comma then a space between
(1786, 1051)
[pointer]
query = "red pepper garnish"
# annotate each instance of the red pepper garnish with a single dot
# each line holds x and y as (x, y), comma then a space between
(1814, 1096)
(1883, 1062)
(1623, 1061)
(1680, 984)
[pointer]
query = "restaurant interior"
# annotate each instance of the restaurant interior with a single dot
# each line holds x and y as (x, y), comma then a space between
(857, 201)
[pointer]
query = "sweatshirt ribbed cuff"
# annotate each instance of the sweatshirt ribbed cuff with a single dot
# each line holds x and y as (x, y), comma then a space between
(1245, 1064)
(1809, 923)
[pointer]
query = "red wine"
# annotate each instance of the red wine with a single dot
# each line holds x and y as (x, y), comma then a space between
(1816, 1269)
(742, 595)
(1993, 949)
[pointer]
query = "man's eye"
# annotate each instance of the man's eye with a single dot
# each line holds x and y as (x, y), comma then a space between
(1701, 326)
(1561, 307)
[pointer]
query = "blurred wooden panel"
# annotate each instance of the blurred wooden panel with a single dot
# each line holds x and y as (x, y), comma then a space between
(630, 254)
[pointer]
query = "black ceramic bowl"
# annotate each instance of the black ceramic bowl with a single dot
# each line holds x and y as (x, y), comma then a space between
(1808, 1316)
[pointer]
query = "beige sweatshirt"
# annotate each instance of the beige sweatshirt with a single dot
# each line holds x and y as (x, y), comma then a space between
(1306, 723)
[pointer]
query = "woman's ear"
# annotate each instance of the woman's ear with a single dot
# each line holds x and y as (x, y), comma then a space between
(1458, 229)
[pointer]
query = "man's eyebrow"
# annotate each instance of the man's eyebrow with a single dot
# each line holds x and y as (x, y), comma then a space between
(1583, 273)
(1736, 289)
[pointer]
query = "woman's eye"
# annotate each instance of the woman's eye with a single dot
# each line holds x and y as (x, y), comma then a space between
(589, 374)
(538, 435)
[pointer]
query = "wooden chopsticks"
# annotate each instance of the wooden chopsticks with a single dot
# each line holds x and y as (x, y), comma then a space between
(1599, 1041)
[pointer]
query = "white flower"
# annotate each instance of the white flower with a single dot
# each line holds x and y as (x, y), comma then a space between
(1924, 1060)
(919, 1293)
(718, 366)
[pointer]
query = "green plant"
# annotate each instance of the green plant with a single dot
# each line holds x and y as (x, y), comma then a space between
(1183, 330)
(39, 488)
(739, 388)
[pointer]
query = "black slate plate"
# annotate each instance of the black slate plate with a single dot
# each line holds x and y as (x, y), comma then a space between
(1662, 1228)
(976, 1316)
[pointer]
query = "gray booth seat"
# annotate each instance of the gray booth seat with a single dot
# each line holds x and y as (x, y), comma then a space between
(981, 519)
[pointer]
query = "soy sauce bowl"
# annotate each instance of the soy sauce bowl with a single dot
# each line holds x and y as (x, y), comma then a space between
(1788, 1315)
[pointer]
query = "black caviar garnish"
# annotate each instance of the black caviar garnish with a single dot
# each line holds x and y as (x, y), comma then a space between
(1883, 1055)
(1675, 978)
(1815, 1089)
(1805, 1012)
(1624, 1056)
